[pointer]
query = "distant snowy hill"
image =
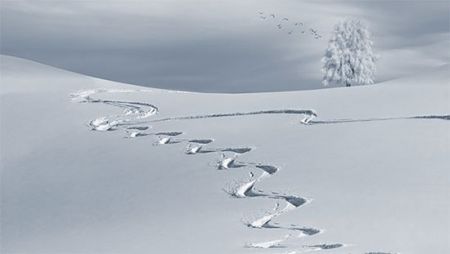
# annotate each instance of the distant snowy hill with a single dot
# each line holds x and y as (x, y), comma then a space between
(94, 166)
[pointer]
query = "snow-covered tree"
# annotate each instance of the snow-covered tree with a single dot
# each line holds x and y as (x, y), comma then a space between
(349, 59)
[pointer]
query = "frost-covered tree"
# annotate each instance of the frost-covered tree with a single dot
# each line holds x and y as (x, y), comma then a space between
(349, 59)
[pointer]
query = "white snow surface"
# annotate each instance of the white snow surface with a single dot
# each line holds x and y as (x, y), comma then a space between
(374, 161)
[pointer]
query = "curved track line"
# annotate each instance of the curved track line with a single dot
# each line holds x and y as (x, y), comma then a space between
(139, 110)
(135, 112)
(308, 112)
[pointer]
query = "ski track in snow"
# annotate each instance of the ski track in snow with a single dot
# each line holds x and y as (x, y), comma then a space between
(309, 113)
(377, 252)
(133, 119)
(337, 121)
(132, 111)
(269, 244)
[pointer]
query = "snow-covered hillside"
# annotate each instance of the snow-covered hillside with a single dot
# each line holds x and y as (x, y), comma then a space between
(94, 166)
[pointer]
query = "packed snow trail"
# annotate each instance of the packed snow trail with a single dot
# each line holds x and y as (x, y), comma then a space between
(269, 244)
(132, 111)
(130, 107)
(424, 117)
(308, 115)
(199, 149)
(132, 123)
(307, 112)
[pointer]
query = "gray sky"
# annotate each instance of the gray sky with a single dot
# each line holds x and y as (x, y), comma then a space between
(218, 46)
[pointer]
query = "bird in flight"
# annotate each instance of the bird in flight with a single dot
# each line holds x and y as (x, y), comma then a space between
(314, 33)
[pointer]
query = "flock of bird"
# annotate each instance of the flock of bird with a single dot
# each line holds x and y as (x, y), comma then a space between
(284, 24)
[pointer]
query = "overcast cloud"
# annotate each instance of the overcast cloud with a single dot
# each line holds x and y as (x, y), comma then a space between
(217, 46)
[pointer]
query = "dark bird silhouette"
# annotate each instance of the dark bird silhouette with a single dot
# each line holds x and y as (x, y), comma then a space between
(312, 31)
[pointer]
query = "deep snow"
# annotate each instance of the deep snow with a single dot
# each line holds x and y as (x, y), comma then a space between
(372, 167)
